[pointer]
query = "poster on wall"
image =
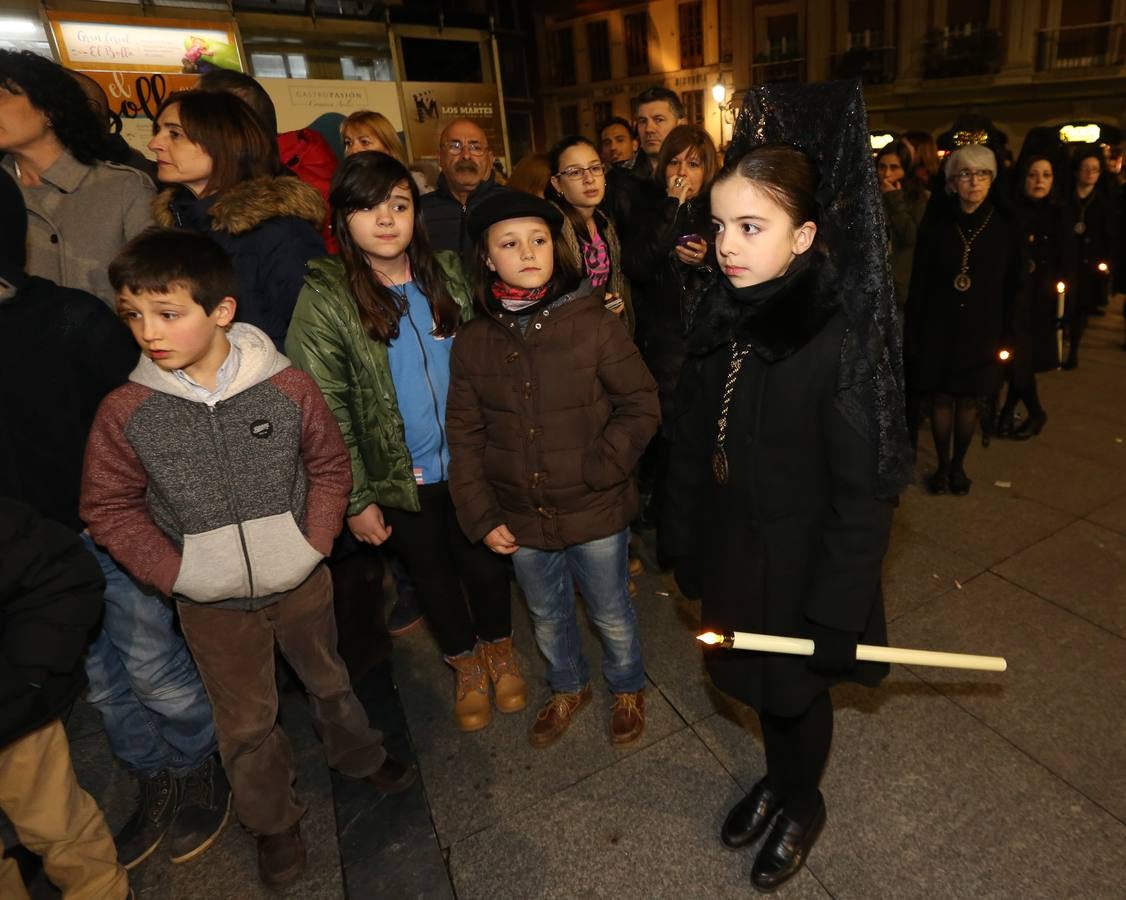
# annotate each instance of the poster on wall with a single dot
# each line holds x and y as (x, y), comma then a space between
(430, 106)
(301, 101)
(139, 62)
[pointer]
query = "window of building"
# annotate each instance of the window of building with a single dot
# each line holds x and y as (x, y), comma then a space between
(693, 106)
(569, 119)
(865, 23)
(433, 59)
(603, 110)
(1085, 12)
(726, 30)
(563, 53)
(782, 37)
(691, 35)
(360, 68)
(967, 15)
(514, 69)
(637, 43)
(279, 65)
(598, 49)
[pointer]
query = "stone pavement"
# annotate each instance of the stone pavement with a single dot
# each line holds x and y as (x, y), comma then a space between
(942, 784)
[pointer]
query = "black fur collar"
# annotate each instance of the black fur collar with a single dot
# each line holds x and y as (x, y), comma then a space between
(777, 318)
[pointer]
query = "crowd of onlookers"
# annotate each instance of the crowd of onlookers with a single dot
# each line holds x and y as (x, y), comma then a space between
(299, 400)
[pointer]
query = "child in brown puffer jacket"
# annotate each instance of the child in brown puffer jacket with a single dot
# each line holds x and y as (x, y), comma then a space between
(550, 407)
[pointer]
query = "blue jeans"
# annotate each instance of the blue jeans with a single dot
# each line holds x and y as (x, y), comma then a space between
(143, 681)
(601, 569)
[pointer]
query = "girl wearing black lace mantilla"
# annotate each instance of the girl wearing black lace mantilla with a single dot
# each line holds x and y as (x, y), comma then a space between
(786, 462)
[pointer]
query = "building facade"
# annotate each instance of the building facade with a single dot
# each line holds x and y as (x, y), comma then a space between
(1024, 63)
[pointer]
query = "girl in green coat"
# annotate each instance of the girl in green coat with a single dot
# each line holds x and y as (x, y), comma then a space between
(375, 329)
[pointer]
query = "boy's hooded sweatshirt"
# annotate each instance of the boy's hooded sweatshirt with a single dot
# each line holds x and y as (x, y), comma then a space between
(229, 504)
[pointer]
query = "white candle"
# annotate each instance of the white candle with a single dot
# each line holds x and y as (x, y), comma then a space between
(772, 643)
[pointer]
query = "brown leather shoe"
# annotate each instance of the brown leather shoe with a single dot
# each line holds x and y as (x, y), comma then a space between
(510, 690)
(281, 857)
(627, 717)
(555, 717)
(471, 704)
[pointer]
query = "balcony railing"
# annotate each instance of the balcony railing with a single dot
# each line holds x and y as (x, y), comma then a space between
(972, 50)
(778, 71)
(1080, 47)
(872, 65)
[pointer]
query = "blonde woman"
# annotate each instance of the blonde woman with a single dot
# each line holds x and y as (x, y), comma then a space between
(368, 130)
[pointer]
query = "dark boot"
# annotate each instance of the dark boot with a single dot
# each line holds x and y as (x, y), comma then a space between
(281, 857)
(204, 806)
(150, 821)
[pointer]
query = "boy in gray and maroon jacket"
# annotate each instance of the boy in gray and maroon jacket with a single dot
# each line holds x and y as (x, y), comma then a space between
(219, 476)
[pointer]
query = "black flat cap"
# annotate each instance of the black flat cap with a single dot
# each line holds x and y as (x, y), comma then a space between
(508, 204)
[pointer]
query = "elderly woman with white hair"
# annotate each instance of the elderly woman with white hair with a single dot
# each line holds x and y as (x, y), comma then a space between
(966, 280)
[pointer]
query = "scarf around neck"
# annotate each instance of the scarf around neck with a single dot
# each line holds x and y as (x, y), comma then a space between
(517, 300)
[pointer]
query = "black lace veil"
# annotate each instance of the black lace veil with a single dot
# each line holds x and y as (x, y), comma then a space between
(829, 123)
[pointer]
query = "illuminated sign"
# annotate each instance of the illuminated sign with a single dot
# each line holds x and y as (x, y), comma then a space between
(1080, 134)
(879, 141)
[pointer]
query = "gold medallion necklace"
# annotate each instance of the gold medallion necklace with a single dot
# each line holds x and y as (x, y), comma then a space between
(962, 280)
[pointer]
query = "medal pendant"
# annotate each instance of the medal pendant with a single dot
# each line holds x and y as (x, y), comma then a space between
(962, 282)
(719, 466)
(1080, 228)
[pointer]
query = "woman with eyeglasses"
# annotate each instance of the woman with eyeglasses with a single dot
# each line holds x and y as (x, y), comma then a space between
(588, 237)
(668, 250)
(967, 276)
(1091, 234)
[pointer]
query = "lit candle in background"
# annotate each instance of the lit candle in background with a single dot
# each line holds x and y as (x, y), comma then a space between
(1061, 304)
(1005, 355)
(772, 643)
(1104, 268)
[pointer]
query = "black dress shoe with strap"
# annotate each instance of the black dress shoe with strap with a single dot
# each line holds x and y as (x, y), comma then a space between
(749, 817)
(785, 850)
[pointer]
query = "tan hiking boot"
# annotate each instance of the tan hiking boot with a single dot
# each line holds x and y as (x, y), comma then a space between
(510, 690)
(471, 706)
(555, 716)
(627, 717)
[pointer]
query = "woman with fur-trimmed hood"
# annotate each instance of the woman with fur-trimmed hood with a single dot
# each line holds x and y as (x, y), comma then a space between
(222, 168)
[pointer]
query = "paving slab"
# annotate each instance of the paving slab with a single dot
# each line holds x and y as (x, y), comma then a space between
(645, 828)
(1081, 568)
(1112, 516)
(1062, 697)
(925, 801)
(475, 780)
(1084, 436)
(987, 526)
(916, 570)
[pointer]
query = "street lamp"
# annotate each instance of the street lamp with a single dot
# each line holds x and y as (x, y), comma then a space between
(719, 95)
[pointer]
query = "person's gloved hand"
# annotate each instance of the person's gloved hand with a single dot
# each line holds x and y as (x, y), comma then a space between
(834, 651)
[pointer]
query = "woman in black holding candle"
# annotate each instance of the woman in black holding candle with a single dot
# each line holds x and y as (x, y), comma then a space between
(791, 446)
(966, 282)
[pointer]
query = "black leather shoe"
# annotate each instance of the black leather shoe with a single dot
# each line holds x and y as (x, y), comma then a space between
(1030, 427)
(749, 817)
(1005, 424)
(959, 483)
(938, 482)
(393, 777)
(785, 851)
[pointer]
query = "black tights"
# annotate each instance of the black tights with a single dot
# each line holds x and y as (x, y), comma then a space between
(797, 748)
(957, 415)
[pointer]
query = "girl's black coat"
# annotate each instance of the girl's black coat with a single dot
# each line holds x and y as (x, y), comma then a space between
(1035, 313)
(797, 534)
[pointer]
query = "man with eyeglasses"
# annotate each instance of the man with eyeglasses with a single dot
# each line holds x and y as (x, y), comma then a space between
(466, 180)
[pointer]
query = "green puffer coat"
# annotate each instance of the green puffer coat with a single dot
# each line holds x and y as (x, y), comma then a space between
(327, 340)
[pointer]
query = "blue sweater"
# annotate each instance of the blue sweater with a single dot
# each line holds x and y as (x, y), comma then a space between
(420, 369)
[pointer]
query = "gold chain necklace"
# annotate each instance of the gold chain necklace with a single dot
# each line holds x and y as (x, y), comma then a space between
(962, 280)
(720, 468)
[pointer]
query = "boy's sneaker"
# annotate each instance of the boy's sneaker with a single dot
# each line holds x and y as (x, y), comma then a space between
(281, 857)
(152, 818)
(203, 809)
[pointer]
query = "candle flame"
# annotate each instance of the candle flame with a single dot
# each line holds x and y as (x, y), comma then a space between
(710, 637)
(1004, 355)
(1060, 287)
(1103, 267)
